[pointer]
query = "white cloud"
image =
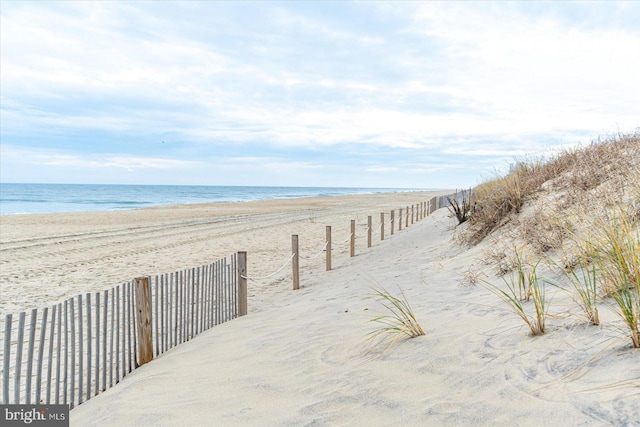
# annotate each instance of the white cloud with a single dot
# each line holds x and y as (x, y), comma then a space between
(456, 79)
(49, 157)
(534, 71)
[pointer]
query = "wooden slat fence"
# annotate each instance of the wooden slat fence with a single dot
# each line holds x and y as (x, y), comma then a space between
(74, 350)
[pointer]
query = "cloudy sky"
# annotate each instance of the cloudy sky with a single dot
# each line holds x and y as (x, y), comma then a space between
(365, 94)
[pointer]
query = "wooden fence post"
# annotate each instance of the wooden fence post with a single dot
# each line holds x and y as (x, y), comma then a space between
(400, 221)
(296, 261)
(412, 213)
(242, 284)
(392, 222)
(369, 231)
(352, 252)
(328, 261)
(143, 321)
(381, 225)
(406, 219)
(6, 357)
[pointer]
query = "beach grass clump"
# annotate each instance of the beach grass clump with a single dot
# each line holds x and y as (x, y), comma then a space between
(617, 253)
(399, 321)
(583, 278)
(522, 285)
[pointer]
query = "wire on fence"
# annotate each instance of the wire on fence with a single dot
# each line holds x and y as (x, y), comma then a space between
(272, 274)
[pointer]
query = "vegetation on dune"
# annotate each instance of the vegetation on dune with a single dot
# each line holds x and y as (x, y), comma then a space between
(604, 169)
(578, 211)
(582, 206)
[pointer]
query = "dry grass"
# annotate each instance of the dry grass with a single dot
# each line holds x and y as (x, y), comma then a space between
(470, 277)
(594, 175)
(546, 229)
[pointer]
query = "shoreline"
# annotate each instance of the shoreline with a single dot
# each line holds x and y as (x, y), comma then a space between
(174, 205)
(113, 198)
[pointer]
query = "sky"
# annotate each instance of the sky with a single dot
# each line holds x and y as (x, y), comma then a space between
(347, 94)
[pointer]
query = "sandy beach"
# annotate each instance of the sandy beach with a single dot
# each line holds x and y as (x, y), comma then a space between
(46, 258)
(301, 357)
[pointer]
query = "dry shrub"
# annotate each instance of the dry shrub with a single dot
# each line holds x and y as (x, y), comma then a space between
(460, 205)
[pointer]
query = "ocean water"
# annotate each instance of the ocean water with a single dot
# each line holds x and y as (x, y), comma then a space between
(41, 198)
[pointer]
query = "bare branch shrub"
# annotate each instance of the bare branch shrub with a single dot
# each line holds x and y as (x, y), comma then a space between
(460, 206)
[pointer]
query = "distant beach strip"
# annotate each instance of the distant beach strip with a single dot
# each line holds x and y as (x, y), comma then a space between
(18, 198)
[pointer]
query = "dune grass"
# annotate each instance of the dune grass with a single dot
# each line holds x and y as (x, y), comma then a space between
(581, 205)
(523, 284)
(583, 278)
(398, 323)
(617, 253)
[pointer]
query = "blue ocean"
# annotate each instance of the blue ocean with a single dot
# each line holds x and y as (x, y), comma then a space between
(44, 198)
